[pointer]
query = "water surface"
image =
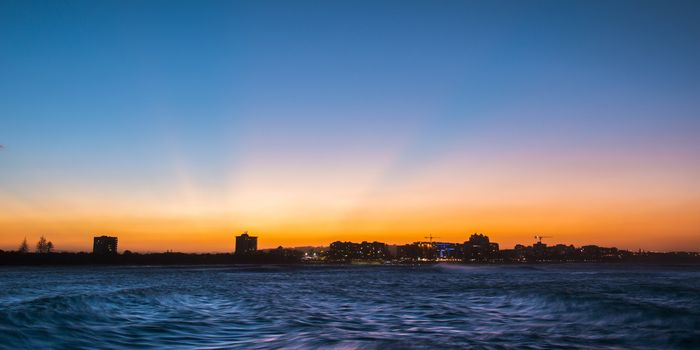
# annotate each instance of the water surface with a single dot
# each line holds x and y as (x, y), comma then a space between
(351, 307)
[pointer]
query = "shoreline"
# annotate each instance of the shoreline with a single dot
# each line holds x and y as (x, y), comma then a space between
(61, 260)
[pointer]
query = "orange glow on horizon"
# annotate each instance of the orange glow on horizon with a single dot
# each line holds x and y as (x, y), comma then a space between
(577, 199)
(632, 229)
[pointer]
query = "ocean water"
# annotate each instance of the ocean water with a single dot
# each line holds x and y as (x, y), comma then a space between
(351, 307)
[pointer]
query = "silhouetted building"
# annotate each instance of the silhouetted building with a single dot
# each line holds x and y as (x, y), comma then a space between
(421, 251)
(373, 250)
(246, 244)
(540, 252)
(392, 250)
(479, 249)
(593, 252)
(104, 245)
(346, 251)
(562, 252)
(340, 251)
(446, 251)
(283, 255)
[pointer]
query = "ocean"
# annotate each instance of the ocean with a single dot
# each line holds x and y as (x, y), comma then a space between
(567, 306)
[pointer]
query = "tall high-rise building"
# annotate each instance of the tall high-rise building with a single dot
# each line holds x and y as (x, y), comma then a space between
(104, 245)
(246, 244)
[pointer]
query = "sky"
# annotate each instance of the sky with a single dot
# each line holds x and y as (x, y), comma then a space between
(176, 125)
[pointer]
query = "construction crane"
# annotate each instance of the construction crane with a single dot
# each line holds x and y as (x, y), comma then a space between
(430, 237)
(539, 238)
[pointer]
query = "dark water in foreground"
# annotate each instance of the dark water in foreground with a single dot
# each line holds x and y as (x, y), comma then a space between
(353, 307)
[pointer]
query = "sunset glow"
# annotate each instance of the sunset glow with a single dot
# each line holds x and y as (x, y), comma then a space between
(181, 131)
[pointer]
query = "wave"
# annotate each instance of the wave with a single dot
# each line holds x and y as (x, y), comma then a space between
(425, 307)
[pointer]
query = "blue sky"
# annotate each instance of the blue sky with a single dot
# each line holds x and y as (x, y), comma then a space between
(116, 96)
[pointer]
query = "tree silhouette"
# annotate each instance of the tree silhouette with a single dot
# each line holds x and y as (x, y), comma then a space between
(43, 246)
(24, 247)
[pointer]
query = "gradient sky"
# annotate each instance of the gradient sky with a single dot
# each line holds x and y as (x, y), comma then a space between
(177, 124)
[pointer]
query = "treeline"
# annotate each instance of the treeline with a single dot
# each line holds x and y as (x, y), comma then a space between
(275, 256)
(42, 246)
